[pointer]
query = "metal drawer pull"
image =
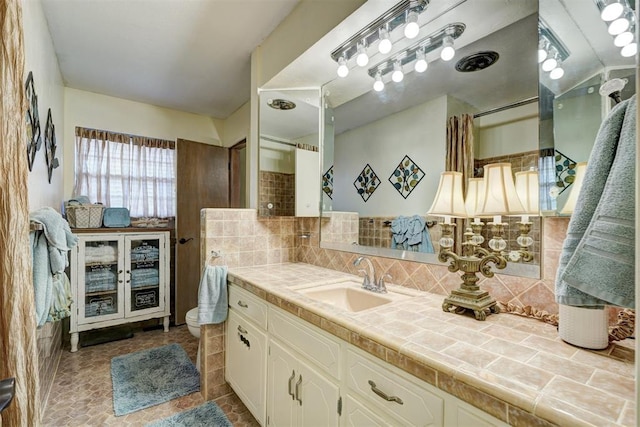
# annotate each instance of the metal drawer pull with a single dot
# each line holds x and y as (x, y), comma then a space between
(293, 375)
(298, 398)
(242, 304)
(384, 395)
(242, 330)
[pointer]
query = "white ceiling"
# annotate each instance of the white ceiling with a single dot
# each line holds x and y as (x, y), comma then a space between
(188, 55)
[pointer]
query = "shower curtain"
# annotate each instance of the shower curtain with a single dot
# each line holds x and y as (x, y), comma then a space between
(460, 159)
(18, 351)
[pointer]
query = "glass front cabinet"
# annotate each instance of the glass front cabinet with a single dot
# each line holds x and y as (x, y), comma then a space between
(118, 278)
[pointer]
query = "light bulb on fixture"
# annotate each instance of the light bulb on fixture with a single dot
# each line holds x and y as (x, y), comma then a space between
(619, 26)
(385, 45)
(421, 64)
(378, 84)
(557, 72)
(397, 74)
(629, 50)
(447, 51)
(551, 62)
(411, 28)
(362, 59)
(542, 50)
(625, 38)
(343, 70)
(612, 10)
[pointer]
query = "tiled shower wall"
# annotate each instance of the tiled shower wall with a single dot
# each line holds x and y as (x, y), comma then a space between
(277, 189)
(246, 239)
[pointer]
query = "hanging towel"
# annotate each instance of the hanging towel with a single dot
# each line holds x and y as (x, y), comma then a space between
(597, 259)
(49, 249)
(410, 233)
(212, 295)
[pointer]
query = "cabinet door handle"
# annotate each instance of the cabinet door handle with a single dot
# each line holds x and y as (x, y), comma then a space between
(293, 375)
(384, 395)
(298, 398)
(243, 304)
(242, 330)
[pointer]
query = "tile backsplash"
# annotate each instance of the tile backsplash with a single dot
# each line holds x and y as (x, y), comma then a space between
(246, 239)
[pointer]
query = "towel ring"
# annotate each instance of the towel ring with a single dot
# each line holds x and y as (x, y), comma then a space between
(214, 256)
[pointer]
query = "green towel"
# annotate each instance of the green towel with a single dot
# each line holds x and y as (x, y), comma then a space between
(597, 261)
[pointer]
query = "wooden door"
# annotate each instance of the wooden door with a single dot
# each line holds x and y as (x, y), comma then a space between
(202, 181)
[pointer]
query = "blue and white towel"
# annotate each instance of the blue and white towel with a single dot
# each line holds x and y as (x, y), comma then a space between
(597, 260)
(49, 250)
(212, 295)
(410, 233)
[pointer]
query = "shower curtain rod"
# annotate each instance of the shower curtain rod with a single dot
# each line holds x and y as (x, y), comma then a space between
(266, 138)
(506, 107)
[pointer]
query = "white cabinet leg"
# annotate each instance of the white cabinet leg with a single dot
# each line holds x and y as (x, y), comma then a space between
(165, 322)
(74, 341)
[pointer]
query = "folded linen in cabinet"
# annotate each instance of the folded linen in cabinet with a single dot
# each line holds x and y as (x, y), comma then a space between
(100, 280)
(102, 253)
(145, 253)
(145, 277)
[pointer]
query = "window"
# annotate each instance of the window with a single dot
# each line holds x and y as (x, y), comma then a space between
(121, 170)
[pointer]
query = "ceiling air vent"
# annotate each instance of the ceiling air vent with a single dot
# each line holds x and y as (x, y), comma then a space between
(281, 104)
(477, 61)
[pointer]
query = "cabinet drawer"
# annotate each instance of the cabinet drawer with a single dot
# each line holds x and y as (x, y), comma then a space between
(371, 380)
(307, 340)
(249, 305)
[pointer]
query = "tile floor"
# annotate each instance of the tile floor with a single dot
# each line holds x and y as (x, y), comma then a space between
(81, 394)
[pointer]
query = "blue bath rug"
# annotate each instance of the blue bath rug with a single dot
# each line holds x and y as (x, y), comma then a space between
(208, 414)
(151, 377)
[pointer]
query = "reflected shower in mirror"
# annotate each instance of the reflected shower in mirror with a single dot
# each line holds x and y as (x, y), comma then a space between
(289, 127)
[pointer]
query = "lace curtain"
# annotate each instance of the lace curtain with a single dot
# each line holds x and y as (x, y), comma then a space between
(120, 170)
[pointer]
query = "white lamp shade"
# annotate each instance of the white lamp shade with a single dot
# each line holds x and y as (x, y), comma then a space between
(570, 205)
(449, 201)
(500, 197)
(474, 200)
(528, 189)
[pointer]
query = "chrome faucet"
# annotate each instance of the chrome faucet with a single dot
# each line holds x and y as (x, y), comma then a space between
(370, 283)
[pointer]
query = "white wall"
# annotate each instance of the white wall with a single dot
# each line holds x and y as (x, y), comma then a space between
(510, 131)
(424, 144)
(236, 126)
(275, 157)
(92, 110)
(41, 60)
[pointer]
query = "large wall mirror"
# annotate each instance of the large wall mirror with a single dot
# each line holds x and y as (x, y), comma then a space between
(574, 101)
(373, 137)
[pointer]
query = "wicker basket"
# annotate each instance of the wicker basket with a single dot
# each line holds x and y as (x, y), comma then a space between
(84, 216)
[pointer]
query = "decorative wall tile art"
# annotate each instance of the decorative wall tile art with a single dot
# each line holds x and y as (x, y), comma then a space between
(50, 145)
(366, 183)
(565, 171)
(327, 182)
(406, 176)
(34, 141)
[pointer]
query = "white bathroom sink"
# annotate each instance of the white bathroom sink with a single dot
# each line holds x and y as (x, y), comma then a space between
(349, 296)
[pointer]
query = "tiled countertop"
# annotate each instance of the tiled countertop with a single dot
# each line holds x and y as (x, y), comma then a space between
(512, 367)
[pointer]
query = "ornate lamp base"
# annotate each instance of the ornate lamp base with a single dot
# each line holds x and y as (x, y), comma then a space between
(478, 301)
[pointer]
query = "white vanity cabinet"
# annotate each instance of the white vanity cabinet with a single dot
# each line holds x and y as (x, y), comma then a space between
(313, 378)
(246, 351)
(303, 374)
(118, 278)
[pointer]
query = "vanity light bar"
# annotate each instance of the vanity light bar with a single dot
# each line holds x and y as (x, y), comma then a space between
(551, 39)
(430, 43)
(390, 20)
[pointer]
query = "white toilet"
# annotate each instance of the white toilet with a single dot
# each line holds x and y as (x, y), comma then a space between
(194, 328)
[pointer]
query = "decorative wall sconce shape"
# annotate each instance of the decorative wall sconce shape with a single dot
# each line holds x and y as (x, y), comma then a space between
(404, 14)
(50, 145)
(34, 140)
(416, 54)
(621, 24)
(551, 51)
